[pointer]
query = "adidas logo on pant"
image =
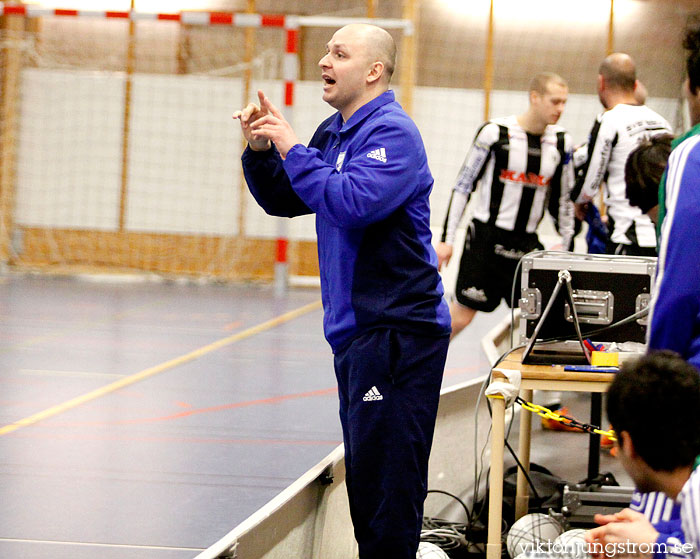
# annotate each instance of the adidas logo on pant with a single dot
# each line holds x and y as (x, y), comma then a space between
(372, 395)
(378, 154)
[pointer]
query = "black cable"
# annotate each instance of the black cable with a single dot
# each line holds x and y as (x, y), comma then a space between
(460, 501)
(522, 469)
(621, 322)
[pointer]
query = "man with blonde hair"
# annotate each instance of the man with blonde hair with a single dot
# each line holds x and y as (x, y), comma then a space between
(519, 165)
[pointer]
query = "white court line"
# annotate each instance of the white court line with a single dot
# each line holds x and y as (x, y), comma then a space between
(152, 371)
(49, 372)
(97, 544)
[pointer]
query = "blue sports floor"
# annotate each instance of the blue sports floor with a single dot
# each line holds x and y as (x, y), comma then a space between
(147, 419)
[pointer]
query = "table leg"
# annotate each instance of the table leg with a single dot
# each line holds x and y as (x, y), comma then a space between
(498, 415)
(594, 440)
(522, 489)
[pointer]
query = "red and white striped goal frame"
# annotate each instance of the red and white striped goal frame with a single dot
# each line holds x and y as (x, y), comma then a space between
(290, 72)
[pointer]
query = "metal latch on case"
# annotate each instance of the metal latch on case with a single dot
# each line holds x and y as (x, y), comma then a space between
(592, 307)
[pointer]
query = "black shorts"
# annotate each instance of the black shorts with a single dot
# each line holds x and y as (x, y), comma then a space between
(489, 262)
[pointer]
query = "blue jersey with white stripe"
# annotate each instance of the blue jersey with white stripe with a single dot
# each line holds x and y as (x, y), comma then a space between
(675, 310)
(690, 511)
(665, 516)
(368, 182)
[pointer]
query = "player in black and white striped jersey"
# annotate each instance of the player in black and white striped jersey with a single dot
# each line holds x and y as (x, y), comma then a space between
(521, 165)
(622, 127)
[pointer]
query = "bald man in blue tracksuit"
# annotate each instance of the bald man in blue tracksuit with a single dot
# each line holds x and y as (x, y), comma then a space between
(365, 176)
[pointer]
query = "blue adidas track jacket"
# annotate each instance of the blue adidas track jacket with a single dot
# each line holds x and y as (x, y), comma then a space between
(368, 182)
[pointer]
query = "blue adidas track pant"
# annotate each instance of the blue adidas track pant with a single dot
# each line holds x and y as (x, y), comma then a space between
(389, 387)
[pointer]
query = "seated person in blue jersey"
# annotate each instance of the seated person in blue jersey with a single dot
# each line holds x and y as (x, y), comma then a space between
(519, 165)
(365, 175)
(651, 518)
(653, 404)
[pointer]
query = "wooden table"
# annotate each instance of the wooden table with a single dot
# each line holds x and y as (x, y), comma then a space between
(534, 377)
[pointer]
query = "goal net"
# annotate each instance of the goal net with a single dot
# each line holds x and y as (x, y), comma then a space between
(118, 151)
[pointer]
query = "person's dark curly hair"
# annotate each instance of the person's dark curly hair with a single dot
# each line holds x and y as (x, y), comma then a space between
(643, 171)
(656, 399)
(691, 42)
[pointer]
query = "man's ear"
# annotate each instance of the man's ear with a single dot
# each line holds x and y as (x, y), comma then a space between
(376, 71)
(626, 445)
(601, 82)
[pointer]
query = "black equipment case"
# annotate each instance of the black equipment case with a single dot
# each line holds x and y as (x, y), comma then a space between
(607, 290)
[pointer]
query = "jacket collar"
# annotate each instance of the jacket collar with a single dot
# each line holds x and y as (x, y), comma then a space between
(339, 127)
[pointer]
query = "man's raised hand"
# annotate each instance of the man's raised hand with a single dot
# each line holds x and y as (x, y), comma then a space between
(247, 118)
(273, 126)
